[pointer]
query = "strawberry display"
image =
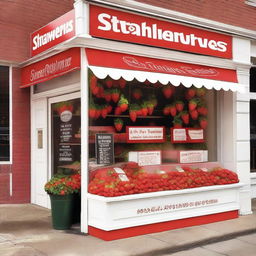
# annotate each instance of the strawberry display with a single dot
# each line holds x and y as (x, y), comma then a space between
(133, 112)
(118, 124)
(137, 94)
(123, 103)
(185, 117)
(179, 105)
(109, 108)
(106, 182)
(92, 111)
(203, 122)
(168, 91)
(115, 95)
(194, 114)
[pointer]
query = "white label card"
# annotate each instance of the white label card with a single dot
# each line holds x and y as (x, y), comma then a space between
(121, 174)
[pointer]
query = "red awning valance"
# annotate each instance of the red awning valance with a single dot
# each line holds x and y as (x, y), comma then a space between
(50, 68)
(129, 67)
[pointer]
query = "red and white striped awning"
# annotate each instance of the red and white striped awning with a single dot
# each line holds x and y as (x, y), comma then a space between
(129, 67)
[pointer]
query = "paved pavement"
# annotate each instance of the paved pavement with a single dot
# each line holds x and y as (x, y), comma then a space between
(25, 230)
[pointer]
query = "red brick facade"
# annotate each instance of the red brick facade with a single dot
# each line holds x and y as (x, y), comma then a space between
(233, 12)
(18, 19)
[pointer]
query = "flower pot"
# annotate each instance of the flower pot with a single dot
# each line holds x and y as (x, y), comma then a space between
(62, 211)
(77, 208)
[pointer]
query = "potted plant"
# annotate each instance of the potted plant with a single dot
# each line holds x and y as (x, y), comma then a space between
(63, 190)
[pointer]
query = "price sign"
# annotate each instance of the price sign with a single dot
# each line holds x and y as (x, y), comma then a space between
(104, 148)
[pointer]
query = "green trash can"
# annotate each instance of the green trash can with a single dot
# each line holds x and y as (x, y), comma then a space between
(62, 211)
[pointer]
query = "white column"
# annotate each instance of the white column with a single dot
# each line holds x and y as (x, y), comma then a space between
(243, 143)
(82, 18)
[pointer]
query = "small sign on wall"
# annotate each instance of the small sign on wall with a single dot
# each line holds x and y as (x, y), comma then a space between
(187, 135)
(193, 156)
(145, 134)
(146, 157)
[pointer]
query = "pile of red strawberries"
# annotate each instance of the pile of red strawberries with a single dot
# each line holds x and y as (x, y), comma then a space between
(106, 181)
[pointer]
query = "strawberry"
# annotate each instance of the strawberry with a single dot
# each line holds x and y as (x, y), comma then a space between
(166, 110)
(104, 112)
(122, 83)
(185, 117)
(200, 92)
(109, 83)
(153, 100)
(193, 114)
(123, 103)
(94, 81)
(118, 124)
(192, 105)
(108, 95)
(109, 108)
(203, 122)
(136, 94)
(179, 105)
(167, 91)
(139, 111)
(98, 112)
(118, 111)
(95, 90)
(150, 107)
(133, 115)
(144, 109)
(100, 93)
(190, 93)
(92, 111)
(172, 110)
(115, 95)
(177, 123)
(202, 110)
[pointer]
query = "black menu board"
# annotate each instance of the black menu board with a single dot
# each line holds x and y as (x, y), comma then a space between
(104, 148)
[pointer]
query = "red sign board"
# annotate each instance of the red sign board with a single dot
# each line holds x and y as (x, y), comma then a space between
(133, 62)
(52, 67)
(57, 31)
(134, 28)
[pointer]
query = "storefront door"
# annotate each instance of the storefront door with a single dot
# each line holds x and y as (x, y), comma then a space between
(64, 134)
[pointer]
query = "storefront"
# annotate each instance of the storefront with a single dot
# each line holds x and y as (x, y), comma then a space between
(150, 108)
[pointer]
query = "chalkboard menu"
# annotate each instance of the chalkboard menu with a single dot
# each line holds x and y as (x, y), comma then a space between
(104, 148)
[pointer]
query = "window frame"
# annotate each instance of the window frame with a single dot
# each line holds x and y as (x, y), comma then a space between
(10, 117)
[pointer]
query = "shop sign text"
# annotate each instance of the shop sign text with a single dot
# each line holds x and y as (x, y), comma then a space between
(57, 31)
(130, 27)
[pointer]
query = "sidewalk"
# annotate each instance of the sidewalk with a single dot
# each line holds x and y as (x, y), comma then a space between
(25, 230)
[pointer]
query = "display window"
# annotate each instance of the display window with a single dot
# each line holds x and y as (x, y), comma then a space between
(146, 137)
(4, 114)
(66, 136)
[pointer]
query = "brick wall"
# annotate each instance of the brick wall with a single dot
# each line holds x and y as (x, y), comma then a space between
(19, 18)
(233, 12)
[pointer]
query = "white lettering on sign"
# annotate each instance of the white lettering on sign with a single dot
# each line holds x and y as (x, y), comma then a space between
(40, 40)
(112, 23)
(50, 69)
